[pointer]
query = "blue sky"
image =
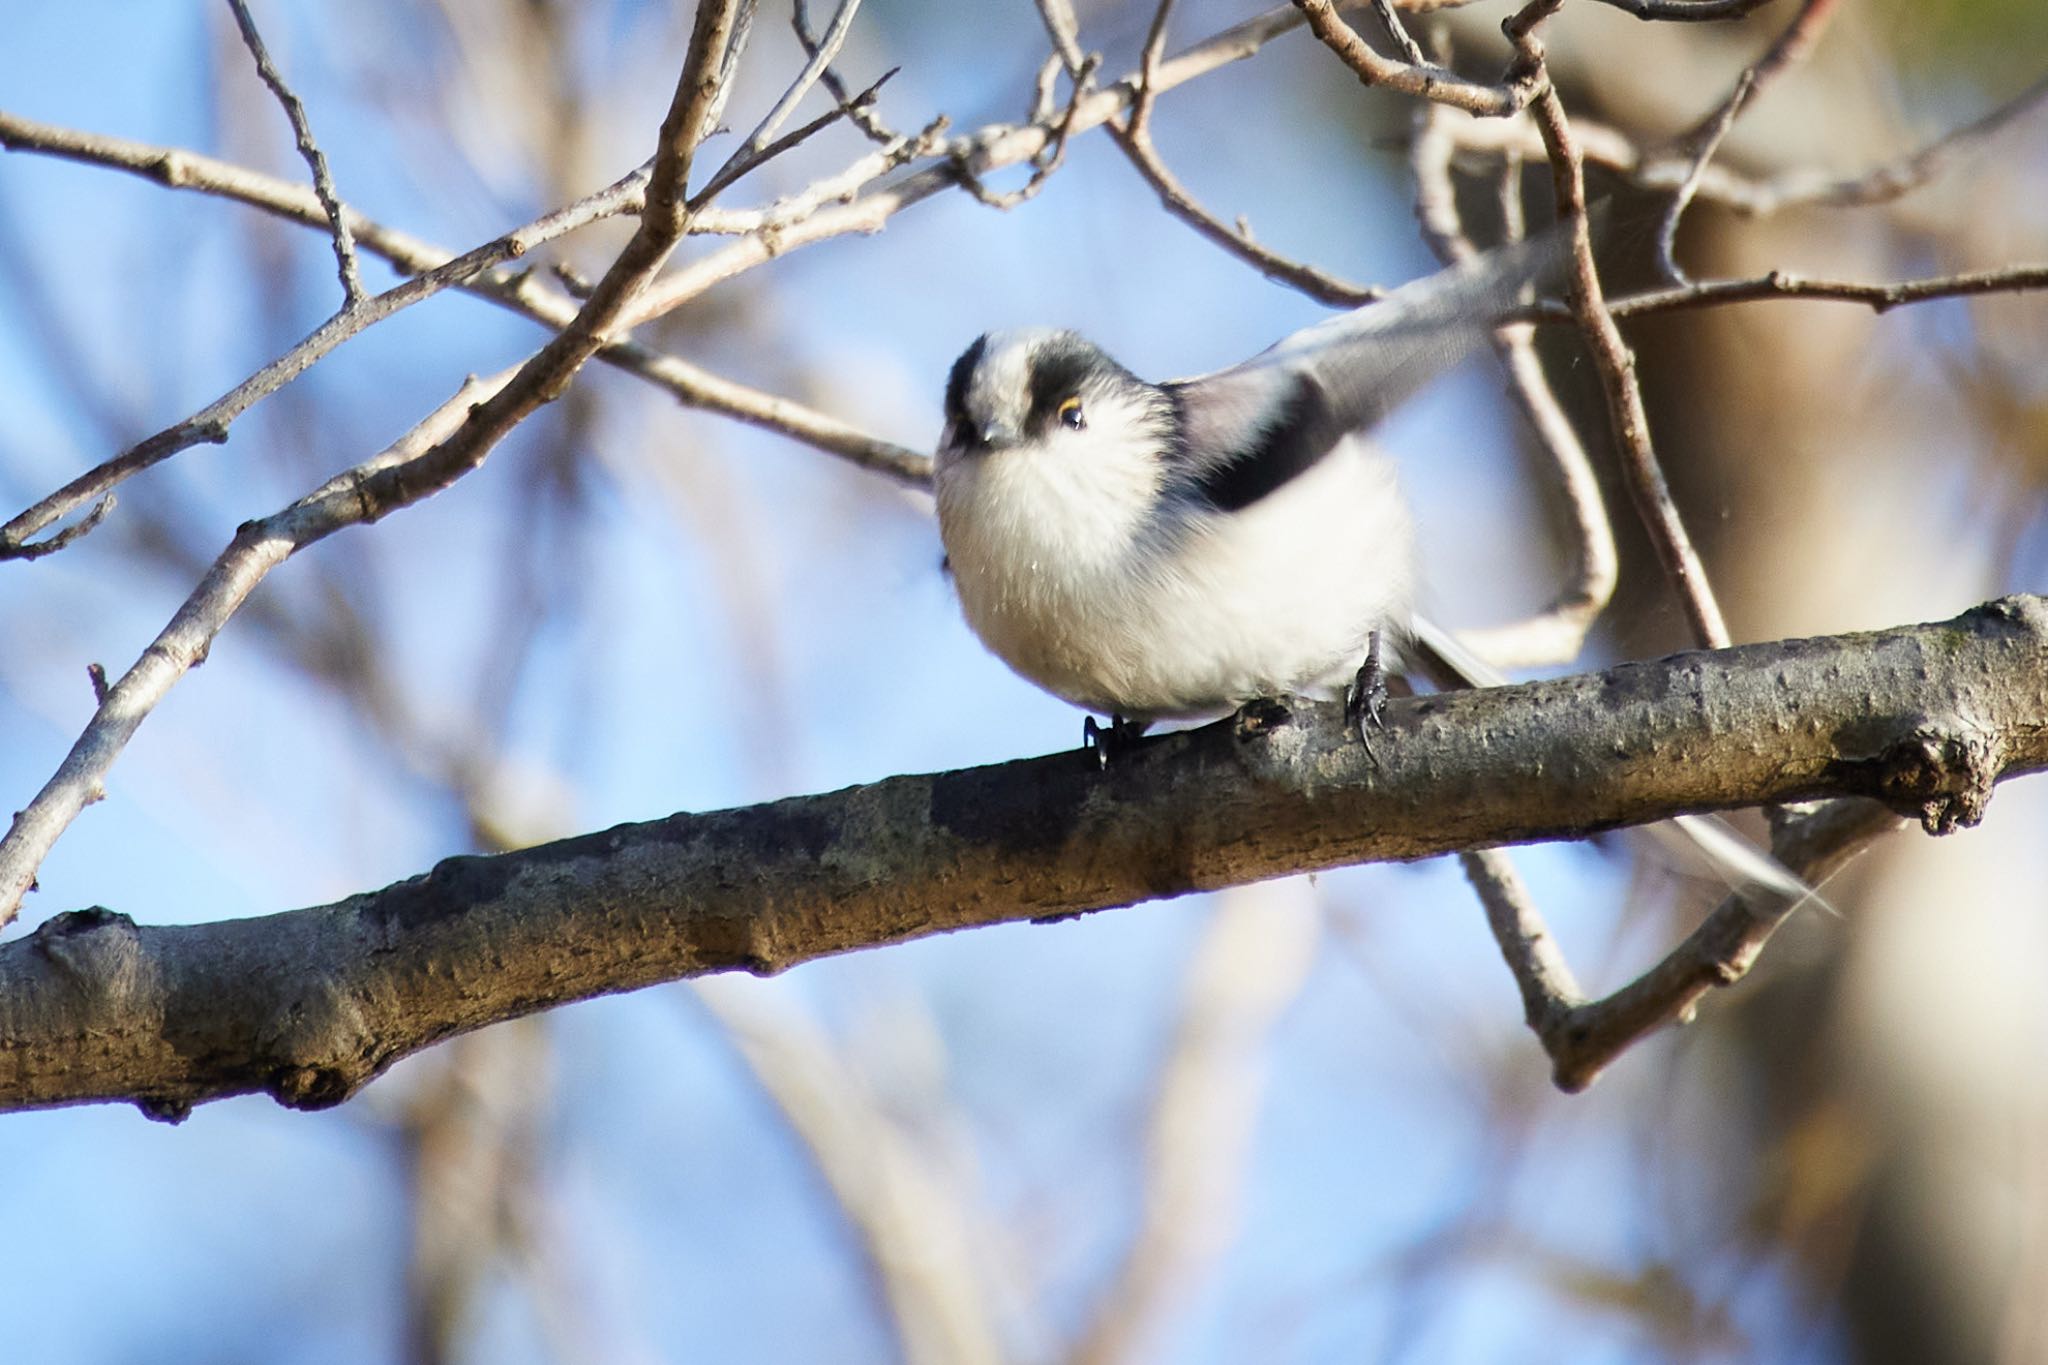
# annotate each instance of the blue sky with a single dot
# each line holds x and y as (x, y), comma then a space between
(740, 618)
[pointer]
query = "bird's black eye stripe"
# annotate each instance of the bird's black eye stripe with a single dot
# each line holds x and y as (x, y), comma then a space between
(956, 382)
(1062, 371)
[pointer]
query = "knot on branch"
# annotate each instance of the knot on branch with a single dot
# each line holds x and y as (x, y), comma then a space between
(1941, 773)
(97, 952)
(2023, 610)
(319, 1050)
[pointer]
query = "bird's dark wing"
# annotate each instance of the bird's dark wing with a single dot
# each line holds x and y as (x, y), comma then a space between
(1249, 429)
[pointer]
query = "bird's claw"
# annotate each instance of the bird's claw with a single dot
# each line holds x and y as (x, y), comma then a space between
(1112, 740)
(1365, 701)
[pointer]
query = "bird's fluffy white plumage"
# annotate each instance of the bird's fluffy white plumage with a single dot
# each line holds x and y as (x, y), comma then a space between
(1067, 570)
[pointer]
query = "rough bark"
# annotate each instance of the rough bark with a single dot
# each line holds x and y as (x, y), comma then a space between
(309, 1005)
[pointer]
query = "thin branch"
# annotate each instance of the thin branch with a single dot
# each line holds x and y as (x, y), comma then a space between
(316, 160)
(1793, 45)
(1065, 31)
(1707, 142)
(1587, 1038)
(965, 159)
(1687, 11)
(1549, 991)
(309, 1005)
(397, 479)
(49, 545)
(1135, 138)
(718, 84)
(1423, 80)
(1557, 634)
(1786, 51)
(1879, 297)
(1138, 123)
(752, 158)
(1049, 159)
(1615, 363)
(699, 388)
(1893, 179)
(210, 424)
(757, 149)
(814, 67)
(1753, 195)
(1397, 33)
(862, 118)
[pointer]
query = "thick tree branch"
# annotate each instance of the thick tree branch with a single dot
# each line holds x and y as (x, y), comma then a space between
(311, 1004)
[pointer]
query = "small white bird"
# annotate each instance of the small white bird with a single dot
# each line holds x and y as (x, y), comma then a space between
(1174, 550)
(1168, 551)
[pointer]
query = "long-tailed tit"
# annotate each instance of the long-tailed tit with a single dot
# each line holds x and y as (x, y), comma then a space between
(1155, 551)
(1166, 551)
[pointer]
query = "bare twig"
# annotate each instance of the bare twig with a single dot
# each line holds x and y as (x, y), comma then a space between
(1707, 143)
(49, 545)
(1135, 138)
(401, 476)
(1065, 31)
(1043, 163)
(1752, 195)
(1878, 296)
(1585, 1040)
(1549, 991)
(863, 118)
(700, 388)
(1138, 123)
(750, 158)
(719, 84)
(1611, 356)
(756, 149)
(1558, 633)
(1895, 178)
(1687, 11)
(1397, 33)
(1794, 43)
(968, 157)
(210, 424)
(1422, 80)
(302, 132)
(1787, 50)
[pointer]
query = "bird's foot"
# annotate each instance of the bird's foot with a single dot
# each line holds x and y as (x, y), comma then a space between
(1262, 716)
(1112, 740)
(1366, 699)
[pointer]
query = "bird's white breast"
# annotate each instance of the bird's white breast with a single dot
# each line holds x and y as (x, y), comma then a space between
(1066, 572)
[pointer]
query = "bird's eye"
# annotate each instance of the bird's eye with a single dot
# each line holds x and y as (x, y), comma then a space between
(1070, 415)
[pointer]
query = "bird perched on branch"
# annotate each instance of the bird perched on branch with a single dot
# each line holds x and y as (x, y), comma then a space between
(1172, 550)
(1167, 551)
